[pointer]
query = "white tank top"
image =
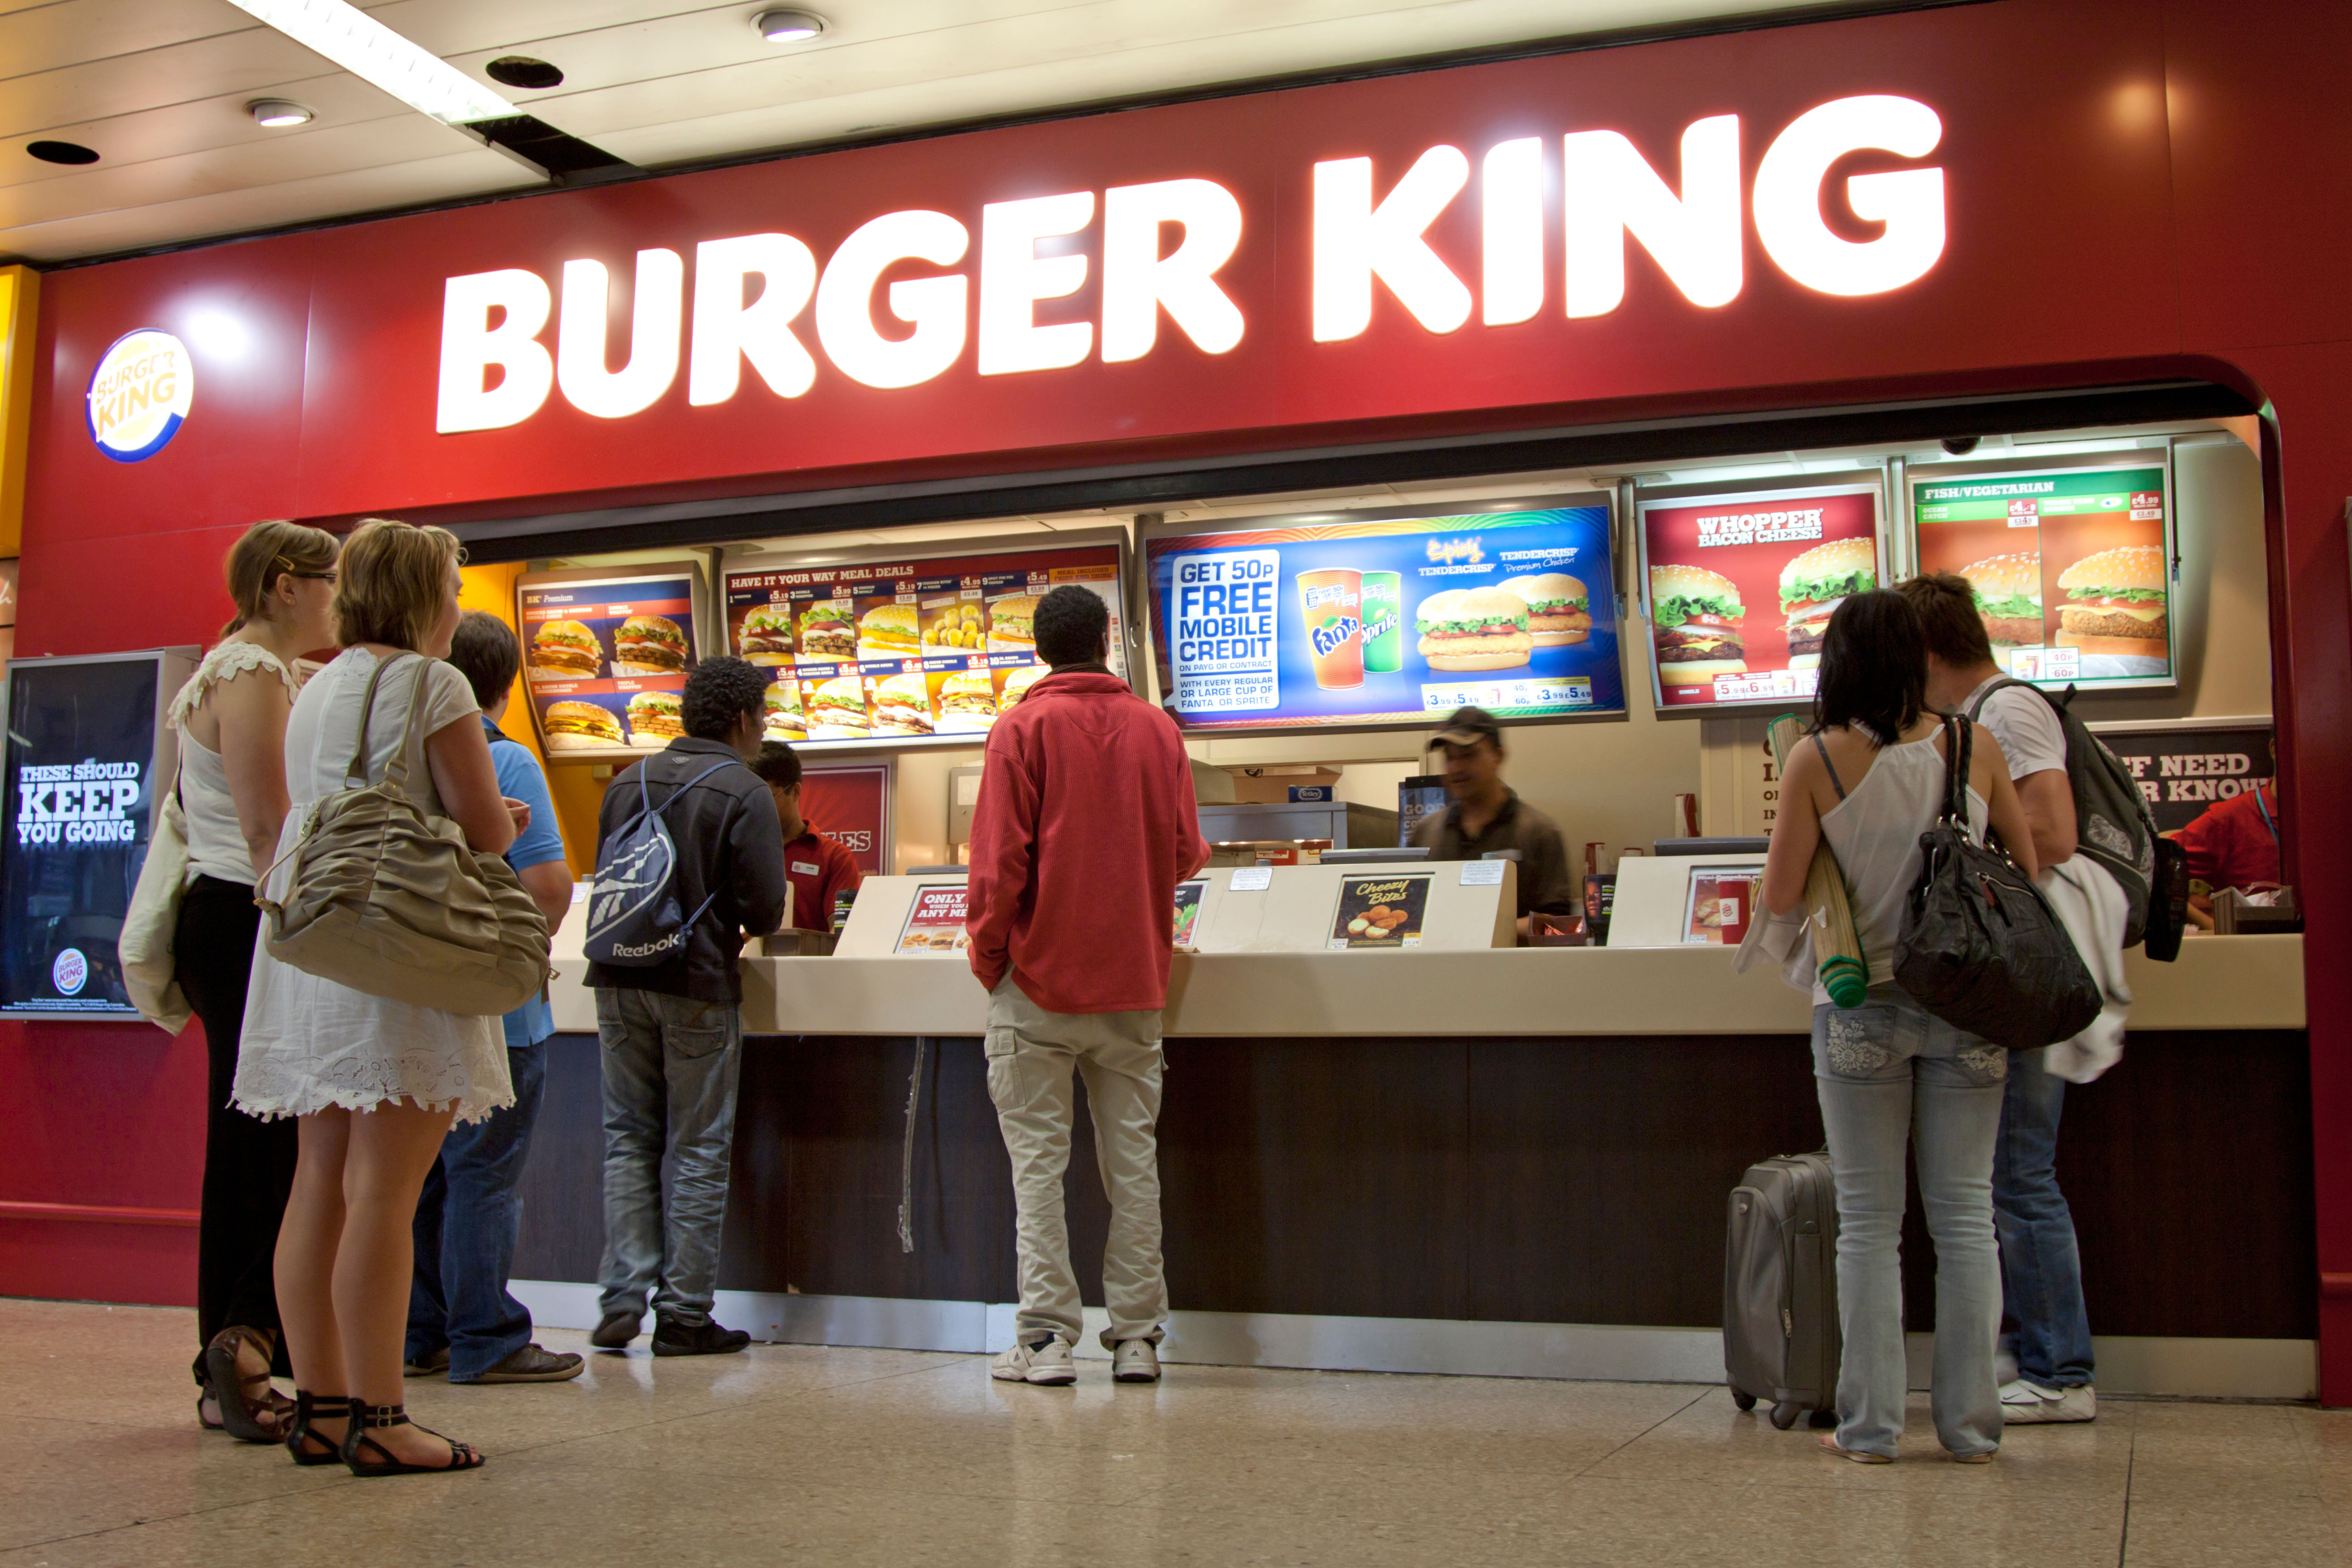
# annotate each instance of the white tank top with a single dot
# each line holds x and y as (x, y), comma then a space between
(1874, 833)
(216, 841)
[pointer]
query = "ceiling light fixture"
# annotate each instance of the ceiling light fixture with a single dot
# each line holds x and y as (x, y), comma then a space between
(522, 71)
(381, 57)
(785, 26)
(278, 112)
(61, 152)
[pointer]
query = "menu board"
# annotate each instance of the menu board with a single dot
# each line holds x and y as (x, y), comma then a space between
(604, 657)
(1721, 904)
(906, 651)
(1738, 589)
(935, 920)
(2070, 566)
(1380, 911)
(1388, 620)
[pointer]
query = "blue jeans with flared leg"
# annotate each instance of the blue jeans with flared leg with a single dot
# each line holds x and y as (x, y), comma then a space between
(2041, 1268)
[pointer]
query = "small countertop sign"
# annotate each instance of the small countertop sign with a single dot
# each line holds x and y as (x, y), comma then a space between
(1251, 879)
(1482, 873)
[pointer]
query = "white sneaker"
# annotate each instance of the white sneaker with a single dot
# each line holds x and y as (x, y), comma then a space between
(1048, 1364)
(2024, 1404)
(1136, 1360)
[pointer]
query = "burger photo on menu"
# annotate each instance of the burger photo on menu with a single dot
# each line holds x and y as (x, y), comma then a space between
(826, 631)
(648, 645)
(655, 719)
(2115, 604)
(766, 638)
(1011, 623)
(902, 705)
(1814, 584)
(1474, 628)
(967, 702)
(581, 727)
(2007, 590)
(1559, 609)
(1696, 616)
(1017, 684)
(565, 647)
(836, 709)
(887, 631)
(781, 709)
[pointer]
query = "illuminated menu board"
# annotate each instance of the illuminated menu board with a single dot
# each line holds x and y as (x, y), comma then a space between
(1390, 619)
(906, 651)
(2070, 565)
(1738, 588)
(605, 654)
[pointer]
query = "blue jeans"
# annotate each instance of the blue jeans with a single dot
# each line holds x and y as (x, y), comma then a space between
(2041, 1271)
(466, 1220)
(670, 1071)
(1889, 1074)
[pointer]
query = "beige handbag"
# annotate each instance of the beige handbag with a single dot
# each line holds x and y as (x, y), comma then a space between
(390, 901)
(151, 925)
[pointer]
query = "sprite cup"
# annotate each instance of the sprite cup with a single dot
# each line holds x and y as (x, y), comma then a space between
(1383, 616)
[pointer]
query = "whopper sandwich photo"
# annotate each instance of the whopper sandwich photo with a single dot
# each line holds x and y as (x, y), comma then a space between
(887, 631)
(967, 701)
(581, 727)
(902, 705)
(648, 645)
(826, 631)
(2008, 589)
(2115, 604)
(1011, 623)
(1696, 616)
(1017, 684)
(781, 709)
(1814, 584)
(836, 708)
(766, 636)
(566, 648)
(655, 719)
(1558, 611)
(1474, 628)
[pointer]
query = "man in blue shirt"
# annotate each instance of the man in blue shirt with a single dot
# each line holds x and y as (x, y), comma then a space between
(460, 1315)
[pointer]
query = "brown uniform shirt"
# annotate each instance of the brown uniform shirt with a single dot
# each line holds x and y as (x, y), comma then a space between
(1545, 883)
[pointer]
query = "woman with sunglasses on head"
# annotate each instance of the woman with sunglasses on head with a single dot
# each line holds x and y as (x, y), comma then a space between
(231, 716)
(1870, 780)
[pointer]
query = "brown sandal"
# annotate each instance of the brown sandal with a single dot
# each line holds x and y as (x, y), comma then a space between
(251, 1408)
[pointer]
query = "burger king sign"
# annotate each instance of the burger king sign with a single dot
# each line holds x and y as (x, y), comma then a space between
(139, 394)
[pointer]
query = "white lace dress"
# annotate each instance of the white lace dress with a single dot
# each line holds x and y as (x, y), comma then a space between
(309, 1043)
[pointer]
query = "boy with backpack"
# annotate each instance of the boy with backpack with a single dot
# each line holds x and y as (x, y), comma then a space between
(689, 860)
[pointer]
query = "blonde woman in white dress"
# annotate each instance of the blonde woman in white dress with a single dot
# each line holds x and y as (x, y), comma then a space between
(374, 1082)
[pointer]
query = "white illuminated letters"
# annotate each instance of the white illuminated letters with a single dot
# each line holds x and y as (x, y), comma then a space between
(935, 306)
(1139, 283)
(1612, 192)
(654, 319)
(1511, 193)
(727, 332)
(1354, 241)
(470, 345)
(1909, 202)
(1014, 278)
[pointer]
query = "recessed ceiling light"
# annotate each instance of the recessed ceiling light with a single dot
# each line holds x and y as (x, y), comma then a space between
(61, 152)
(381, 58)
(788, 27)
(522, 71)
(276, 112)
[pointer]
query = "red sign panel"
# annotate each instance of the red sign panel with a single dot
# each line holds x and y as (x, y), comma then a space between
(849, 803)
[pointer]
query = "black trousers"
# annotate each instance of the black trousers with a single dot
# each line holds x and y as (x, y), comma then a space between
(249, 1162)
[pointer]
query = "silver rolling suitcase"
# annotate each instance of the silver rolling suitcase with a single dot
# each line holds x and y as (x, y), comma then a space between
(1780, 1341)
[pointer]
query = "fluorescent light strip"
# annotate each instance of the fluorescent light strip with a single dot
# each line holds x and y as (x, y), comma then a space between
(381, 57)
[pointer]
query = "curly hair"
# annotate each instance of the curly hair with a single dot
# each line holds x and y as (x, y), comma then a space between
(1070, 624)
(718, 693)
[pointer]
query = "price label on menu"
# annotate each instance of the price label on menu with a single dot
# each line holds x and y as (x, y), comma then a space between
(2045, 663)
(1766, 684)
(1502, 694)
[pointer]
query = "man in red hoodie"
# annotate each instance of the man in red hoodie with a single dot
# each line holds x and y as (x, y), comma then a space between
(1085, 826)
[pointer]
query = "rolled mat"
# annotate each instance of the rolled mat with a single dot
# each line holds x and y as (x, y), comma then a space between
(1837, 948)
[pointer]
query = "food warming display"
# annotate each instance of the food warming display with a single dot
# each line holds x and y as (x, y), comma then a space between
(605, 652)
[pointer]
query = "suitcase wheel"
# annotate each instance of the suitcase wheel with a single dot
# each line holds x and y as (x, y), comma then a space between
(1744, 1400)
(1785, 1416)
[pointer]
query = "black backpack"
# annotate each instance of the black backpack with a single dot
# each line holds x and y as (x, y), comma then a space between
(2113, 826)
(634, 919)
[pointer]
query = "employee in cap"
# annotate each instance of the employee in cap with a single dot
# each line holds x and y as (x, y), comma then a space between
(1485, 815)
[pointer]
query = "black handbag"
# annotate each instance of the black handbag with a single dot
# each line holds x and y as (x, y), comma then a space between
(1981, 948)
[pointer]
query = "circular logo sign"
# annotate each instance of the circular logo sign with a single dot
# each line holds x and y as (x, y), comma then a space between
(70, 973)
(139, 394)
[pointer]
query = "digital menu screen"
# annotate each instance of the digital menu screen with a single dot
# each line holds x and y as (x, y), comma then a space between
(2070, 566)
(1738, 588)
(906, 651)
(604, 657)
(1388, 620)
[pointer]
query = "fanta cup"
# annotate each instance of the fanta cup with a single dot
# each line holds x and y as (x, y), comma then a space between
(1332, 603)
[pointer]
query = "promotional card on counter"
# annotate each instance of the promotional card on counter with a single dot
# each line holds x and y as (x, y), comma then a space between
(1380, 910)
(1720, 904)
(907, 650)
(935, 920)
(1187, 909)
(1738, 588)
(1388, 620)
(604, 655)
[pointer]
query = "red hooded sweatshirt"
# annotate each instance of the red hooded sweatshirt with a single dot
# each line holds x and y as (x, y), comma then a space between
(1085, 826)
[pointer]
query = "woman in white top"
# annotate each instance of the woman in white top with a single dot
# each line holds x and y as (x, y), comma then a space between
(231, 716)
(1871, 780)
(375, 1082)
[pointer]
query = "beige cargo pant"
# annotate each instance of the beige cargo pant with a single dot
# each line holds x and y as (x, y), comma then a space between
(1030, 1055)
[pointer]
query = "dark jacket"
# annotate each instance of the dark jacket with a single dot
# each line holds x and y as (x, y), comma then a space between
(1543, 880)
(728, 841)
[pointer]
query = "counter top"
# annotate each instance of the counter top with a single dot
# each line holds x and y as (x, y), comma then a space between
(2219, 983)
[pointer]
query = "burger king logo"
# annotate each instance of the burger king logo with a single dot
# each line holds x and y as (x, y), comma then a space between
(139, 394)
(69, 972)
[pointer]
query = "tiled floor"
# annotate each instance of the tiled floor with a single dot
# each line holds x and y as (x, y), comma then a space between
(790, 1454)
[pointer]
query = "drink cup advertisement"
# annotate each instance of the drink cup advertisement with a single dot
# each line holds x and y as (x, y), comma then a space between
(1738, 589)
(2070, 565)
(1721, 904)
(1380, 911)
(1396, 619)
(906, 651)
(935, 921)
(604, 655)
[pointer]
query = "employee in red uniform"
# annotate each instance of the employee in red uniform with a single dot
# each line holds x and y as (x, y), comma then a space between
(816, 866)
(2232, 845)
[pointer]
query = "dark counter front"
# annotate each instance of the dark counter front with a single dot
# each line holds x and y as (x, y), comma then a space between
(1567, 1180)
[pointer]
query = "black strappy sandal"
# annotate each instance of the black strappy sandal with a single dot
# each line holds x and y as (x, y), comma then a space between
(364, 1417)
(308, 1448)
(244, 1399)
